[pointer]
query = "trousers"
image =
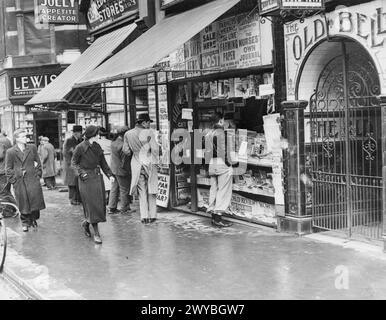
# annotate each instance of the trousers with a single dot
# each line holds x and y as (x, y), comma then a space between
(221, 181)
(27, 219)
(73, 192)
(120, 189)
(147, 201)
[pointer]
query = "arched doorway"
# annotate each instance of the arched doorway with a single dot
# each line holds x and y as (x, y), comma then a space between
(345, 143)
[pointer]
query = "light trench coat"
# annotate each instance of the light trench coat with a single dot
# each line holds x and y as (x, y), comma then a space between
(141, 144)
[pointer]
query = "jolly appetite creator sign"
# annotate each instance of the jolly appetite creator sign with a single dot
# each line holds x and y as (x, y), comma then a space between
(29, 85)
(103, 12)
(57, 11)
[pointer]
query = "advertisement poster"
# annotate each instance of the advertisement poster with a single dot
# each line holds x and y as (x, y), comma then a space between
(209, 47)
(152, 106)
(163, 190)
(249, 41)
(177, 62)
(243, 207)
(192, 50)
(164, 127)
(228, 42)
(62, 12)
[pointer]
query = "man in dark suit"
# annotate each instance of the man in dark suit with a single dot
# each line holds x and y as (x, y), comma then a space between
(121, 168)
(70, 177)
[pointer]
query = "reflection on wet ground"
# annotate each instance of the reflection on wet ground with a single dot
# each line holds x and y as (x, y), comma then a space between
(183, 257)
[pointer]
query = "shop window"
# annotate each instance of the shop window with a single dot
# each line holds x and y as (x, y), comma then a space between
(71, 117)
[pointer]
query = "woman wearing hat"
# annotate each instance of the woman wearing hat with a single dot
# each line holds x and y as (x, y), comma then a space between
(87, 160)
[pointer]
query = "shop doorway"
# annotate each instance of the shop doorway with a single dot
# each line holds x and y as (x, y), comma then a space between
(48, 128)
(346, 149)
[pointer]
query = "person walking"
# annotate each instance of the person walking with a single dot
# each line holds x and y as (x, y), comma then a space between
(23, 169)
(48, 162)
(120, 167)
(140, 143)
(5, 186)
(70, 178)
(88, 160)
(220, 171)
(106, 147)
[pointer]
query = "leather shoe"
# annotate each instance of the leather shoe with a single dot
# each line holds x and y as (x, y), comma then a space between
(145, 221)
(113, 211)
(153, 220)
(25, 229)
(221, 223)
(97, 239)
(86, 226)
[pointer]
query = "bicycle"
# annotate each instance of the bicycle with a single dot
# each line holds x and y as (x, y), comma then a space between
(3, 232)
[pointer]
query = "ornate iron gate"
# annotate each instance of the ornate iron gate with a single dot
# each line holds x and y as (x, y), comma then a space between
(346, 147)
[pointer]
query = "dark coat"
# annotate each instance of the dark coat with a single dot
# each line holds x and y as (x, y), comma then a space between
(120, 162)
(48, 160)
(68, 150)
(88, 159)
(24, 171)
(5, 186)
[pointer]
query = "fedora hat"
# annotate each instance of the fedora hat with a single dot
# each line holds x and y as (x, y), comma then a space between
(143, 117)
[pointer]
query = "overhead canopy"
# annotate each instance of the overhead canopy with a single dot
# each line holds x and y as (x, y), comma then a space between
(60, 90)
(156, 43)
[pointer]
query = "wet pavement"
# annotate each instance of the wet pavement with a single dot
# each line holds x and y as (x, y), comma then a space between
(7, 292)
(183, 257)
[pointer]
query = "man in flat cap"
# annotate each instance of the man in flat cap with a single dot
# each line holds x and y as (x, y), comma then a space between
(48, 163)
(121, 168)
(70, 177)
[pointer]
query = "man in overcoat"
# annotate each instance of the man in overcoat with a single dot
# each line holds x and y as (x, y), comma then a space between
(70, 177)
(120, 166)
(141, 143)
(23, 169)
(48, 162)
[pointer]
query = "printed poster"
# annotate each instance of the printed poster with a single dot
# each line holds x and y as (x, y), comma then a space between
(163, 190)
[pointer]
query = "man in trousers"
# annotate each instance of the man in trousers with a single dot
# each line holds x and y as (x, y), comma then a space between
(23, 169)
(220, 172)
(141, 144)
(48, 163)
(70, 177)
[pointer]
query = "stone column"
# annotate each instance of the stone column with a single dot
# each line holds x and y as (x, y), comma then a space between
(296, 219)
(382, 101)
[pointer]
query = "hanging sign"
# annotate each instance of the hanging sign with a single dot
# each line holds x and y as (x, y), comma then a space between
(163, 190)
(104, 12)
(56, 11)
(267, 6)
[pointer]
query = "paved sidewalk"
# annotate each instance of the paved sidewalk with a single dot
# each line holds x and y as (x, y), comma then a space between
(183, 257)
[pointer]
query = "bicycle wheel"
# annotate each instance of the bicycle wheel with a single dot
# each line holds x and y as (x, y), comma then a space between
(3, 244)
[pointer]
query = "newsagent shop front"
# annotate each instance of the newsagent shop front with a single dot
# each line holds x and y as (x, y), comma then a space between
(224, 63)
(336, 76)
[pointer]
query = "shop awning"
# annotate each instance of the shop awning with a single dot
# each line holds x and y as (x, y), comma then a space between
(60, 90)
(156, 43)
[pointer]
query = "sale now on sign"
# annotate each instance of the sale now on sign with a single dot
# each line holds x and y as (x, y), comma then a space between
(57, 11)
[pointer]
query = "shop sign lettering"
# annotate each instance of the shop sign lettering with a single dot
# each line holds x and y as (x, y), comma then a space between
(302, 4)
(103, 12)
(269, 5)
(30, 85)
(56, 11)
(368, 28)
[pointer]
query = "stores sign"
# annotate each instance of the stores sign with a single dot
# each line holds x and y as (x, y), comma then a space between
(272, 5)
(56, 11)
(104, 12)
(22, 86)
